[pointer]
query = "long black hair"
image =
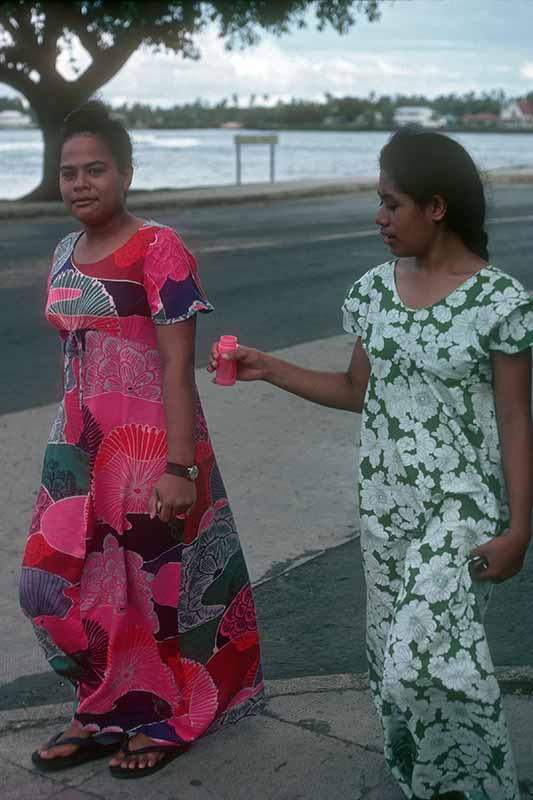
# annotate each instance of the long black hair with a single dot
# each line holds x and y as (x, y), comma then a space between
(424, 164)
(93, 117)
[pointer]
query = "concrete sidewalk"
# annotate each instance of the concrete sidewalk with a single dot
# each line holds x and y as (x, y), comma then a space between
(317, 739)
(245, 193)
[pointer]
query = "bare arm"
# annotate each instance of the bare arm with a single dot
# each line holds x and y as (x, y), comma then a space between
(176, 349)
(343, 390)
(512, 394)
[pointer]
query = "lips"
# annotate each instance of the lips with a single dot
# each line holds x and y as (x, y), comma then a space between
(83, 201)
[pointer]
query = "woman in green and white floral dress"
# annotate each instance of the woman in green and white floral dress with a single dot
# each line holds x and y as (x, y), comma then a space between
(441, 370)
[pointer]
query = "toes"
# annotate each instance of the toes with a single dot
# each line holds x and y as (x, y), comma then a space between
(57, 752)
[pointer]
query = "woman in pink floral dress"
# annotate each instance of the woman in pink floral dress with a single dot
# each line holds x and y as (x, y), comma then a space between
(133, 574)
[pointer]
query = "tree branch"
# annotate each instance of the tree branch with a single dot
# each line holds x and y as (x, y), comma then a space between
(51, 31)
(106, 64)
(25, 32)
(20, 81)
(77, 25)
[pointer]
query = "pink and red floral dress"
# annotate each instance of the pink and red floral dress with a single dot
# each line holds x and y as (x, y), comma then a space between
(154, 623)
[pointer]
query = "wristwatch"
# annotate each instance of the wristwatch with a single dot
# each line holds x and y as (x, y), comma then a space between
(190, 472)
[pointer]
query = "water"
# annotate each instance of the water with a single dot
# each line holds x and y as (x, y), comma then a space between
(185, 158)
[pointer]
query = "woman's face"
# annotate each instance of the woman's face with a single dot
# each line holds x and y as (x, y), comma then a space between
(407, 228)
(92, 187)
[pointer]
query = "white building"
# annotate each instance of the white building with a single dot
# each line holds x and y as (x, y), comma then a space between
(518, 113)
(14, 119)
(417, 115)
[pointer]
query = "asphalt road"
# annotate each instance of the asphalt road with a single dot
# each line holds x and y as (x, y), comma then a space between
(277, 275)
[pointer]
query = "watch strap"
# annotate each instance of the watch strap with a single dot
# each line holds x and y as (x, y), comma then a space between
(181, 470)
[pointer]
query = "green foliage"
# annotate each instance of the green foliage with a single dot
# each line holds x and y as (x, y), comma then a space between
(11, 104)
(353, 113)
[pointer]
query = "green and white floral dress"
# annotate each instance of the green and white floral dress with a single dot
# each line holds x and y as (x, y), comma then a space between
(431, 489)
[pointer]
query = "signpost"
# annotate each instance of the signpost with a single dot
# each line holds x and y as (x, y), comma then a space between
(241, 139)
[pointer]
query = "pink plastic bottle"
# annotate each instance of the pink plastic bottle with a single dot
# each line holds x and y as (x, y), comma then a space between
(226, 370)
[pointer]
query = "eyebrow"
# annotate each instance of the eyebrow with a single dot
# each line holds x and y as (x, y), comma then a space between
(86, 166)
(386, 196)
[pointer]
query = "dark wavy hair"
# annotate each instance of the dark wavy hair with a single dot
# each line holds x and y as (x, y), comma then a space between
(424, 164)
(93, 117)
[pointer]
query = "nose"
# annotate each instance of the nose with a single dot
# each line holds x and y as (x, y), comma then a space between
(381, 217)
(80, 181)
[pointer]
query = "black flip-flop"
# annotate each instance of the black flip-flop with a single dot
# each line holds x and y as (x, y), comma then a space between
(89, 749)
(171, 752)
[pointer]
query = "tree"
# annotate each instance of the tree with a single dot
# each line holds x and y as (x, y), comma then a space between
(33, 34)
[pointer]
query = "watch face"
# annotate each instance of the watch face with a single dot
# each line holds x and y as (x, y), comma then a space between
(193, 472)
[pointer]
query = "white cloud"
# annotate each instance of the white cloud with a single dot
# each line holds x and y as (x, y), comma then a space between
(527, 71)
(273, 69)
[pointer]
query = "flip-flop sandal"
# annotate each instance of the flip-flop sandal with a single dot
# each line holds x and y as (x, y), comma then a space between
(89, 749)
(171, 752)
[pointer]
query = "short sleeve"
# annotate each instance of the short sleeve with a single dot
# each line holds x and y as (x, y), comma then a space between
(171, 280)
(514, 330)
(355, 306)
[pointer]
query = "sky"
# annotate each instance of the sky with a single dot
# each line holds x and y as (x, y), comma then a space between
(427, 47)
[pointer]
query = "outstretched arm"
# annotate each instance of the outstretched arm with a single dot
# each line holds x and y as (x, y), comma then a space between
(343, 390)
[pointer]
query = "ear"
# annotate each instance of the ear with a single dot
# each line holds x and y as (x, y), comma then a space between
(127, 177)
(437, 208)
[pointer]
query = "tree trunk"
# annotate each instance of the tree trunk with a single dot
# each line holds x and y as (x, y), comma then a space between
(50, 120)
(48, 189)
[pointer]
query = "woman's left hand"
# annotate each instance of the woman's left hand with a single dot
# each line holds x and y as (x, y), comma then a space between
(172, 496)
(505, 555)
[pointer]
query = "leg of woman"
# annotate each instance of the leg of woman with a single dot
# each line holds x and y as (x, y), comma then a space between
(441, 705)
(52, 567)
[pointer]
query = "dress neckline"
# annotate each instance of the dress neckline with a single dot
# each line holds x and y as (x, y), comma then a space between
(414, 309)
(79, 266)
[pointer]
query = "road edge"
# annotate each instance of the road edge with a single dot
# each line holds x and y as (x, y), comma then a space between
(206, 196)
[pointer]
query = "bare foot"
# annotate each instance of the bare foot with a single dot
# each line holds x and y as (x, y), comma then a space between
(140, 761)
(62, 751)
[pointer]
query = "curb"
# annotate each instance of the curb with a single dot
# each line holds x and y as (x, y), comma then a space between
(236, 195)
(203, 196)
(512, 680)
(34, 716)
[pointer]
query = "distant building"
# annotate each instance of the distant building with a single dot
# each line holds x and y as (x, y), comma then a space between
(518, 114)
(14, 119)
(417, 115)
(231, 125)
(481, 119)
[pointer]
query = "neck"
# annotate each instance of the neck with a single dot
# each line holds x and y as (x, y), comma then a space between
(447, 253)
(105, 230)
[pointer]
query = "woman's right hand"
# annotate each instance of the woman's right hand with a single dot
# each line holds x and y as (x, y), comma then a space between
(251, 364)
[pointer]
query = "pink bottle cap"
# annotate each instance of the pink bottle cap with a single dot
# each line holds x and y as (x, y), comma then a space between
(227, 343)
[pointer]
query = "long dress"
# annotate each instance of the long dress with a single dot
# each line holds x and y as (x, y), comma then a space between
(154, 623)
(431, 489)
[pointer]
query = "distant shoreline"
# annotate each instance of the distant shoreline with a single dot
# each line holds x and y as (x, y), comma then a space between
(310, 128)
